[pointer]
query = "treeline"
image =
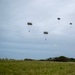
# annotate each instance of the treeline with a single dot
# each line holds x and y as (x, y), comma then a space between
(61, 59)
(6, 59)
(58, 59)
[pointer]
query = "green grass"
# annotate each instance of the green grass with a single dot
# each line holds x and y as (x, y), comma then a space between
(16, 67)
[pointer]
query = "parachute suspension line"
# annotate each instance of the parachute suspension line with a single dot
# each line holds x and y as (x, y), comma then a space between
(29, 24)
(58, 19)
(45, 33)
(70, 25)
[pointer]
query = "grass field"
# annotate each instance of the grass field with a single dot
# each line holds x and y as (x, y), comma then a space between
(19, 67)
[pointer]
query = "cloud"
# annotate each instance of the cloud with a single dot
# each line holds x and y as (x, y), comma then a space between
(14, 35)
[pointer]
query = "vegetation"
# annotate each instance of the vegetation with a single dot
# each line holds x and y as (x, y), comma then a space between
(28, 67)
(61, 59)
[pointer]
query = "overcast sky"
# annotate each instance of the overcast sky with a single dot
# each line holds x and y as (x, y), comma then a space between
(18, 43)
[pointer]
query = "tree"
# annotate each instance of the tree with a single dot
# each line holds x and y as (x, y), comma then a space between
(61, 58)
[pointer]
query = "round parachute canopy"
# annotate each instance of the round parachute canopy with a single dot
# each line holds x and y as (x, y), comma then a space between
(70, 23)
(58, 18)
(45, 32)
(29, 23)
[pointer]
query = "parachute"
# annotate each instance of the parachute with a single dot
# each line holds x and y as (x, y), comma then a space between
(30, 24)
(70, 23)
(45, 34)
(58, 18)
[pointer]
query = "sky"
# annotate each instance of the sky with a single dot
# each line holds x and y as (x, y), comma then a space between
(16, 42)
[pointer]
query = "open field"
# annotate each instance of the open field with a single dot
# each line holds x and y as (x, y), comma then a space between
(20, 67)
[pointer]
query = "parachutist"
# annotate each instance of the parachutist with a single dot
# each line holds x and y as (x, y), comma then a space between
(46, 33)
(29, 24)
